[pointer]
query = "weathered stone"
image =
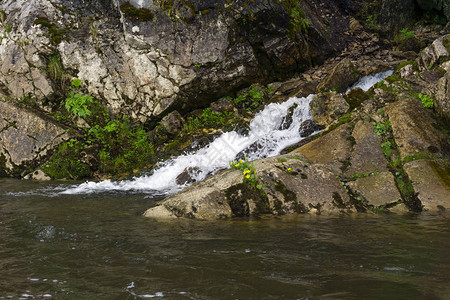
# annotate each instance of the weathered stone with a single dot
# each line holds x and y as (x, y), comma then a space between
(413, 130)
(355, 97)
(332, 149)
(327, 108)
(367, 155)
(203, 200)
(37, 175)
(431, 180)
(396, 15)
(431, 55)
(26, 138)
(341, 77)
(307, 128)
(165, 59)
(378, 189)
(442, 97)
(222, 105)
(173, 122)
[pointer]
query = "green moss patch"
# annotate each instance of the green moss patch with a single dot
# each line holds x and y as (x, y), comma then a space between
(136, 14)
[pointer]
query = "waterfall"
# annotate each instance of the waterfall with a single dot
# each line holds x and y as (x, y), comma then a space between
(269, 133)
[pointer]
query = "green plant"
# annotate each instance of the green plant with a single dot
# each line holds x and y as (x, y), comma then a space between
(8, 28)
(427, 101)
(386, 148)
(382, 128)
(77, 103)
(66, 163)
(248, 172)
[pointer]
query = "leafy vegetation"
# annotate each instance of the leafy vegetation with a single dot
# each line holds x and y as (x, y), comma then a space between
(114, 145)
(252, 99)
(382, 128)
(208, 119)
(78, 103)
(427, 101)
(56, 35)
(248, 173)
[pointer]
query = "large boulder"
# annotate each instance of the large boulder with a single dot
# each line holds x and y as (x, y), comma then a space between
(26, 139)
(431, 180)
(340, 78)
(378, 190)
(413, 129)
(433, 54)
(289, 184)
(332, 149)
(367, 155)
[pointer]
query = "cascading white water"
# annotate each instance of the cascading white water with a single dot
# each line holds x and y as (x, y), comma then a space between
(366, 82)
(264, 131)
(266, 138)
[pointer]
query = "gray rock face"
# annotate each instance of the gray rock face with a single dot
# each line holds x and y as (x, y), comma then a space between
(413, 130)
(25, 139)
(442, 97)
(341, 77)
(431, 180)
(367, 155)
(145, 59)
(429, 56)
(327, 108)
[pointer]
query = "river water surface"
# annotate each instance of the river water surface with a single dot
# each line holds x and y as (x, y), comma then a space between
(98, 246)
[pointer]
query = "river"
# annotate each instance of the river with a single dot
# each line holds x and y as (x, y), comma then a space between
(98, 246)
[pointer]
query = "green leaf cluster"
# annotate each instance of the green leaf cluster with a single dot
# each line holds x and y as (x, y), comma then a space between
(208, 119)
(78, 103)
(248, 172)
(251, 99)
(427, 101)
(383, 128)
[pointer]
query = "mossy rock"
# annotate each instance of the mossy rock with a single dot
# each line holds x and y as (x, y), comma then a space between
(136, 14)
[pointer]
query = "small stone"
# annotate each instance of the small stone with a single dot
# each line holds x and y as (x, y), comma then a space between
(173, 122)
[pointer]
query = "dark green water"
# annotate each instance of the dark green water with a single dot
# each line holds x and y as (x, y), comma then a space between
(100, 247)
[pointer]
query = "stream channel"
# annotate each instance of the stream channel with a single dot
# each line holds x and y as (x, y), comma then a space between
(90, 241)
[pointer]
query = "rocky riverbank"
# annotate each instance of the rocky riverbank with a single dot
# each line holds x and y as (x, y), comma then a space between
(383, 150)
(101, 89)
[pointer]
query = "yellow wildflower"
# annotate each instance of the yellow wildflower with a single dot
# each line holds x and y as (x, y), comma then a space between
(236, 165)
(289, 169)
(248, 176)
(231, 163)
